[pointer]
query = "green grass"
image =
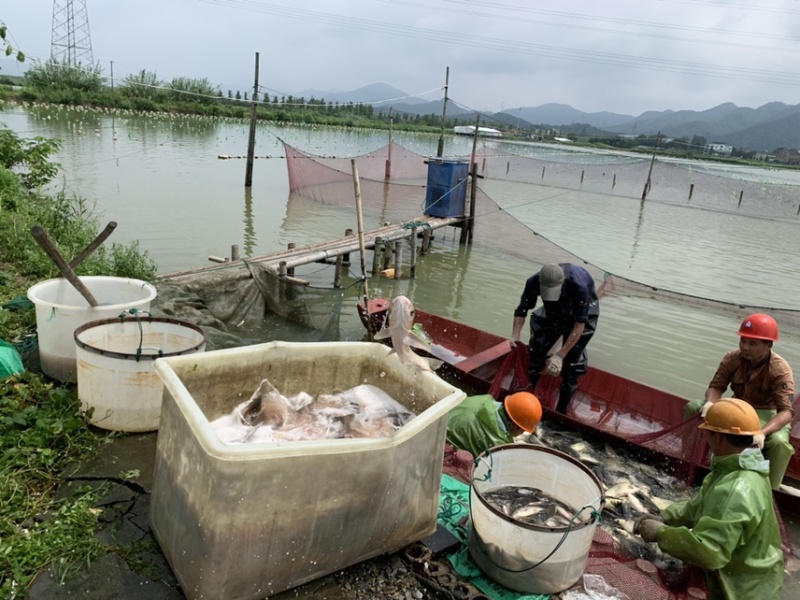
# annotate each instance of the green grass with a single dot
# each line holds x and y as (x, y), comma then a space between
(42, 426)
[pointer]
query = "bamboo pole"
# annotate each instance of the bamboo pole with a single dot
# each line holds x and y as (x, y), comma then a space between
(362, 249)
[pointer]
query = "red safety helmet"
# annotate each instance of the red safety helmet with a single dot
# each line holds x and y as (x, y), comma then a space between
(759, 326)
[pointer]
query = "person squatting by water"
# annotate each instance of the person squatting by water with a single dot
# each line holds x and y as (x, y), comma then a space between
(763, 379)
(570, 312)
(729, 529)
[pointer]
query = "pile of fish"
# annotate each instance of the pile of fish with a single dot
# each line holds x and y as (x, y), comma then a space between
(364, 411)
(533, 506)
(631, 488)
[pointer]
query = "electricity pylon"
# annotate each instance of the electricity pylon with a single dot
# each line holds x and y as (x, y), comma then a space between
(70, 42)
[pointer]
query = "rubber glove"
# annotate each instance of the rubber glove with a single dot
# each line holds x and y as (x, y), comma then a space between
(644, 517)
(705, 408)
(554, 363)
(649, 528)
(758, 440)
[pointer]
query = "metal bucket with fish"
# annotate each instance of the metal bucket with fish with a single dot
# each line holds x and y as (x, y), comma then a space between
(534, 511)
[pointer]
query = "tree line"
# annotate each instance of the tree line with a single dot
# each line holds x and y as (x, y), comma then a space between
(59, 83)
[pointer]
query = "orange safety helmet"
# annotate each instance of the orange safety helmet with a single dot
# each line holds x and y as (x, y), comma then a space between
(759, 326)
(524, 409)
(731, 415)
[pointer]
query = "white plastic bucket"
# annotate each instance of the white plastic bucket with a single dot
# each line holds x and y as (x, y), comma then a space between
(524, 557)
(60, 309)
(115, 360)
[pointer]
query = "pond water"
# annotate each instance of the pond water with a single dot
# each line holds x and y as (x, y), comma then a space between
(161, 179)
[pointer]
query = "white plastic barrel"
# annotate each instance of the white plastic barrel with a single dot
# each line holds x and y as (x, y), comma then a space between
(524, 557)
(60, 309)
(115, 360)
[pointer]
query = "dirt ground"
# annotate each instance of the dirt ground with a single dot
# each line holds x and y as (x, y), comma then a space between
(399, 576)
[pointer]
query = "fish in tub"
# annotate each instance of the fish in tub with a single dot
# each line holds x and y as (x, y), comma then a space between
(268, 416)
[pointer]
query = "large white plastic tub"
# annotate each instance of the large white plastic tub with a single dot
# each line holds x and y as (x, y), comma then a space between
(243, 522)
(529, 558)
(115, 359)
(60, 310)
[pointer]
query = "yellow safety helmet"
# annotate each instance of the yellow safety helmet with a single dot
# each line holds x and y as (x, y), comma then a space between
(731, 415)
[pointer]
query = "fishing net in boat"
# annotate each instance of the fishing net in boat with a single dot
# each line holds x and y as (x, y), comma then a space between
(399, 196)
(247, 303)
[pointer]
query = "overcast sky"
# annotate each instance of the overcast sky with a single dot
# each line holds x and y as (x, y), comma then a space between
(624, 56)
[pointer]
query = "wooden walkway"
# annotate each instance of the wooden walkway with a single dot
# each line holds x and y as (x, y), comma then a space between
(324, 251)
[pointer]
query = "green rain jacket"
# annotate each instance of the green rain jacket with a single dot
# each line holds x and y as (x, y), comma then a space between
(730, 529)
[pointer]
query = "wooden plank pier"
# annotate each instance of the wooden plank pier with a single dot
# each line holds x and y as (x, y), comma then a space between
(284, 262)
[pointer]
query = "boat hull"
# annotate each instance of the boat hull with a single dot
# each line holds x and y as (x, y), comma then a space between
(645, 420)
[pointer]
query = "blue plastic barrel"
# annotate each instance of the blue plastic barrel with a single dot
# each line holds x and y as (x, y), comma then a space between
(446, 192)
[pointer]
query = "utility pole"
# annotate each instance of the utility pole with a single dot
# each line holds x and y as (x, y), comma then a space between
(112, 76)
(251, 142)
(440, 148)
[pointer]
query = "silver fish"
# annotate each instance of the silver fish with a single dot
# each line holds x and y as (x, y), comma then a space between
(399, 329)
(530, 505)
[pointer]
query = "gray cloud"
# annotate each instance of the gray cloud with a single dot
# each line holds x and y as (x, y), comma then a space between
(617, 55)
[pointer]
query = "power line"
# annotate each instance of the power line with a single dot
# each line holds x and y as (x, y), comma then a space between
(616, 32)
(623, 60)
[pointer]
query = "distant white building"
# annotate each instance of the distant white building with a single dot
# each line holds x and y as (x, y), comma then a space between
(470, 130)
(719, 149)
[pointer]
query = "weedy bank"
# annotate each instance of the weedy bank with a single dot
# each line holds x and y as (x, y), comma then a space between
(42, 427)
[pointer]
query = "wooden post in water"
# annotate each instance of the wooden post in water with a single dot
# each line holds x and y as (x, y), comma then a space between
(647, 183)
(388, 251)
(398, 259)
(376, 255)
(582, 173)
(387, 175)
(234, 252)
(346, 256)
(251, 141)
(466, 226)
(357, 190)
(542, 172)
(426, 241)
(741, 195)
(290, 246)
(440, 147)
(614, 181)
(691, 190)
(337, 274)
(413, 261)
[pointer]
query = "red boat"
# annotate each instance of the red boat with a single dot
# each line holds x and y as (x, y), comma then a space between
(645, 420)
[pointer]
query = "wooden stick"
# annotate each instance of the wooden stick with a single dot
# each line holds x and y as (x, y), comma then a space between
(41, 237)
(94, 245)
(357, 187)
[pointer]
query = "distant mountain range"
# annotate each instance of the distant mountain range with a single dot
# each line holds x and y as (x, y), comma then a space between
(768, 127)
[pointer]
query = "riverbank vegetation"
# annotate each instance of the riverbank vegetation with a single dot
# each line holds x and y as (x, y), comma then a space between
(42, 426)
(57, 83)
